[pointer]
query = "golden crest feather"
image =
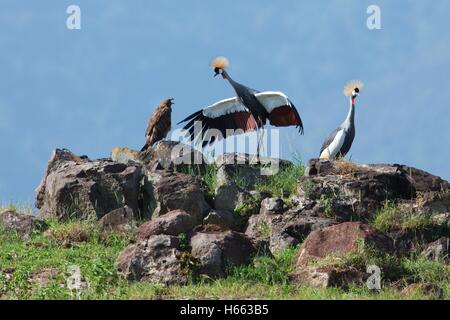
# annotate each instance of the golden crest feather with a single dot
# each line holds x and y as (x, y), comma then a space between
(351, 86)
(220, 62)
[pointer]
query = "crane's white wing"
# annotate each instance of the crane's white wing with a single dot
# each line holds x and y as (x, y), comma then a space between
(281, 110)
(224, 107)
(272, 99)
(334, 146)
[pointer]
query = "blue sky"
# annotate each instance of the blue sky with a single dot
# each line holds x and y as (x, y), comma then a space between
(92, 89)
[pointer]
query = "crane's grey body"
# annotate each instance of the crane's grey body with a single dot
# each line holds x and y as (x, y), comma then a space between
(340, 141)
(249, 100)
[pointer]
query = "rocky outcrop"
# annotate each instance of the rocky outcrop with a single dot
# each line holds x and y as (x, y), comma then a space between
(155, 260)
(217, 251)
(23, 224)
(76, 187)
(351, 191)
(173, 223)
(340, 240)
(167, 191)
(186, 234)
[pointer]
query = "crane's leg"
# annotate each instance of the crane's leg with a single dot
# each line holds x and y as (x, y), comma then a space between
(260, 133)
(254, 158)
(261, 143)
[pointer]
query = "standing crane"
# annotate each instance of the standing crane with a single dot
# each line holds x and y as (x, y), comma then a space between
(339, 142)
(248, 111)
(159, 124)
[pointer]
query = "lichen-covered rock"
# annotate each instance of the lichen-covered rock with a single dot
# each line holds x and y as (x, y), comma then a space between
(44, 276)
(78, 187)
(407, 241)
(155, 260)
(438, 250)
(172, 155)
(283, 230)
(173, 223)
(228, 197)
(328, 276)
(224, 219)
(124, 155)
(167, 191)
(168, 155)
(246, 168)
(430, 290)
(272, 205)
(340, 240)
(216, 251)
(432, 202)
(23, 224)
(118, 220)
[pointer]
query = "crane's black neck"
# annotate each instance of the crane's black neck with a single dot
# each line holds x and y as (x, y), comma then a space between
(226, 76)
(350, 120)
(239, 88)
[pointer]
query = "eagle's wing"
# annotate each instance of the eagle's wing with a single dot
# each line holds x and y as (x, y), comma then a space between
(152, 121)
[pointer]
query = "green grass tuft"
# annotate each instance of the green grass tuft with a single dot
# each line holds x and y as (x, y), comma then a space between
(392, 217)
(207, 174)
(284, 183)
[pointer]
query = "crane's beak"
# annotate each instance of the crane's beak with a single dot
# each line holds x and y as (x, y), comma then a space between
(217, 72)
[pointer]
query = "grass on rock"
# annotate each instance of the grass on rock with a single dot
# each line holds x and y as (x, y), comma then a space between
(394, 217)
(284, 183)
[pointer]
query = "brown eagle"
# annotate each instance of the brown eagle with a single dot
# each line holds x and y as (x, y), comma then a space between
(159, 124)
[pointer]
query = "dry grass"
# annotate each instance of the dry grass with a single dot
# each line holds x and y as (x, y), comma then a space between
(346, 168)
(70, 234)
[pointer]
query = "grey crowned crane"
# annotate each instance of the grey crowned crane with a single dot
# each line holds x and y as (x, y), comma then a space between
(340, 141)
(247, 112)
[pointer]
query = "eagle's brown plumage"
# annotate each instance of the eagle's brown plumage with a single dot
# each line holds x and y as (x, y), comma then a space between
(159, 123)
